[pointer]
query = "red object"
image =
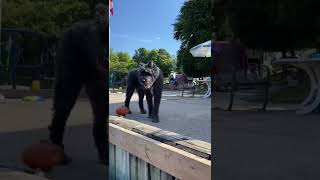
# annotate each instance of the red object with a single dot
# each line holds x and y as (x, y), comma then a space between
(122, 111)
(111, 6)
(42, 156)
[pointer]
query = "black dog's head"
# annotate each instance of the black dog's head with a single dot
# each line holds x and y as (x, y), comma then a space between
(148, 74)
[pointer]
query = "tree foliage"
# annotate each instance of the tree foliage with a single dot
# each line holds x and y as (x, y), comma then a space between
(160, 56)
(46, 17)
(272, 25)
(194, 25)
(120, 64)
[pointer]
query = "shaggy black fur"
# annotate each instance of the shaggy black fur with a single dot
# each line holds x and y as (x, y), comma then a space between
(82, 61)
(147, 80)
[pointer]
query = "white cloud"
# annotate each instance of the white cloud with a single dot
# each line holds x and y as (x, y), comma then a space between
(144, 40)
(157, 38)
(137, 39)
(120, 35)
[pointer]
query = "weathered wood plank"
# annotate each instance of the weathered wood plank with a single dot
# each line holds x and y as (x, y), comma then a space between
(176, 162)
(142, 169)
(166, 176)
(155, 173)
(138, 169)
(197, 147)
(133, 167)
(122, 164)
(112, 162)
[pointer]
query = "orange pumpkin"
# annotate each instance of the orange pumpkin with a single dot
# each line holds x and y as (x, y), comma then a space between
(122, 111)
(42, 155)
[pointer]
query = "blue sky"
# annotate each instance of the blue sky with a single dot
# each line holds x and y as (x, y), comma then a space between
(144, 23)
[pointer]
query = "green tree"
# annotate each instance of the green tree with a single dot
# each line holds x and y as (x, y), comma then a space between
(166, 62)
(161, 57)
(194, 25)
(120, 64)
(123, 56)
(141, 55)
(46, 17)
(271, 25)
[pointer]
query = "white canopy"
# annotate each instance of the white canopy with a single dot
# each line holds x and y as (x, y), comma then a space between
(202, 50)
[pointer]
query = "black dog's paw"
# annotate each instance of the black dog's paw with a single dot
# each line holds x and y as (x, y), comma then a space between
(155, 119)
(143, 111)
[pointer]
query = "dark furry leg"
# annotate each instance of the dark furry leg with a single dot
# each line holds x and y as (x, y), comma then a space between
(141, 97)
(150, 103)
(97, 91)
(129, 93)
(157, 100)
(65, 95)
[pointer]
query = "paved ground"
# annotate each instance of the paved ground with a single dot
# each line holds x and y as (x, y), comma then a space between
(23, 123)
(277, 144)
(189, 116)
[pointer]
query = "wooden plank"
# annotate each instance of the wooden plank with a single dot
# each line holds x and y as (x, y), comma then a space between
(142, 170)
(145, 129)
(122, 164)
(178, 163)
(155, 173)
(133, 167)
(197, 147)
(138, 169)
(112, 162)
(166, 176)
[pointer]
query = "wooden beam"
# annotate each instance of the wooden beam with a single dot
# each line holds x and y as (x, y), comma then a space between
(176, 162)
(196, 147)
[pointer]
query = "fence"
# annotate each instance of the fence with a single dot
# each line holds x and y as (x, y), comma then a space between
(139, 151)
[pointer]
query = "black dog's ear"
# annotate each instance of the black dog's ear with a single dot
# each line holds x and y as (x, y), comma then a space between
(151, 64)
(141, 66)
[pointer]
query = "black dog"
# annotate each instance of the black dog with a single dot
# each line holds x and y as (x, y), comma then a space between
(147, 80)
(82, 61)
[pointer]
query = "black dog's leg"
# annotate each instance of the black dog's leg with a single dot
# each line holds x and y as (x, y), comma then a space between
(129, 93)
(65, 95)
(98, 95)
(141, 97)
(157, 99)
(150, 103)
